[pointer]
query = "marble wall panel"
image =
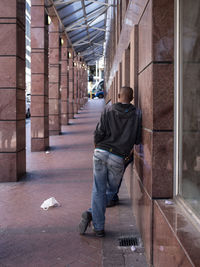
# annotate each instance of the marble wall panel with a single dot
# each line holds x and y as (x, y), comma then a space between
(53, 74)
(21, 6)
(54, 55)
(71, 110)
(145, 96)
(145, 37)
(46, 106)
(20, 73)
(64, 119)
(21, 105)
(162, 165)
(8, 75)
(64, 108)
(143, 161)
(53, 90)
(37, 84)
(37, 2)
(20, 42)
(8, 39)
(64, 67)
(38, 38)
(142, 209)
(168, 248)
(8, 167)
(8, 104)
(9, 8)
(46, 128)
(53, 106)
(21, 163)
(37, 105)
(37, 62)
(126, 68)
(134, 62)
(8, 137)
(64, 83)
(163, 96)
(37, 16)
(154, 163)
(163, 30)
(54, 39)
(21, 135)
(37, 127)
(54, 124)
(38, 144)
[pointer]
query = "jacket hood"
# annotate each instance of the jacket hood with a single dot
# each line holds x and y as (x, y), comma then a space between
(124, 110)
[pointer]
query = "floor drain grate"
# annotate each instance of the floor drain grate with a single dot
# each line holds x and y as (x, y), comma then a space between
(128, 241)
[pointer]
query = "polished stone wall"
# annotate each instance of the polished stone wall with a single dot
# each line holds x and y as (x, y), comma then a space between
(148, 28)
(12, 90)
(154, 158)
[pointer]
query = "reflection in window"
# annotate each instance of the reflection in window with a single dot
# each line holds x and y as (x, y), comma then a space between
(189, 150)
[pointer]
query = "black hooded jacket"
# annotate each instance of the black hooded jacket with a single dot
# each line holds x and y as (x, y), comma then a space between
(119, 129)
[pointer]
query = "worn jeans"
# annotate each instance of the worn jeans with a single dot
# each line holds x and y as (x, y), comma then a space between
(108, 170)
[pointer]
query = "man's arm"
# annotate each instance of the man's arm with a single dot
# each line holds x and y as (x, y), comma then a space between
(138, 139)
(100, 131)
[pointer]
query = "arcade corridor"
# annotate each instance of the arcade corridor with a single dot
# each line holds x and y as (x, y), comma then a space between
(33, 237)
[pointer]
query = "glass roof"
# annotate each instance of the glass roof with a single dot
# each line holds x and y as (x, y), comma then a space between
(85, 25)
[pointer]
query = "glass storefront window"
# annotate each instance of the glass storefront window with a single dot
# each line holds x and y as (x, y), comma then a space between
(188, 68)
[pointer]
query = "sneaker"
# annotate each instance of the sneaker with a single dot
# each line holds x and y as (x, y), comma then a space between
(86, 219)
(99, 233)
(112, 203)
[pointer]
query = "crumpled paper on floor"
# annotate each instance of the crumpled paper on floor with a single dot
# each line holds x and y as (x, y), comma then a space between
(50, 202)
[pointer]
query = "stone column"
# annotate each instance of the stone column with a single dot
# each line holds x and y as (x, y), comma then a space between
(75, 87)
(78, 82)
(39, 77)
(54, 78)
(12, 90)
(64, 82)
(84, 83)
(71, 83)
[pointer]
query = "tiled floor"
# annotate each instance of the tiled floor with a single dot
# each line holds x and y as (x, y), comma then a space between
(32, 237)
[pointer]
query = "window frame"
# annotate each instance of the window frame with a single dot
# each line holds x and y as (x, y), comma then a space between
(178, 118)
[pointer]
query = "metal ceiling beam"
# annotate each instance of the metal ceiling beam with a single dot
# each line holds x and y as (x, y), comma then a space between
(98, 2)
(90, 27)
(102, 10)
(62, 2)
(72, 13)
(83, 16)
(82, 39)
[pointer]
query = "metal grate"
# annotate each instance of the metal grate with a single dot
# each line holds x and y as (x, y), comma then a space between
(128, 241)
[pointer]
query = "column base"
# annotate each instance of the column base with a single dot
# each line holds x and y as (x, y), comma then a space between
(54, 132)
(71, 111)
(39, 144)
(13, 166)
(64, 119)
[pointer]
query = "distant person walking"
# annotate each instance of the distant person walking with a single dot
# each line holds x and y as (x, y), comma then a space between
(116, 133)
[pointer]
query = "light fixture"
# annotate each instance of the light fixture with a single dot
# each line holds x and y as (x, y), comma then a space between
(69, 55)
(49, 20)
(62, 41)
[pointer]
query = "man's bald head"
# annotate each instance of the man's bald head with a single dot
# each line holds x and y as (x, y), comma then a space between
(126, 94)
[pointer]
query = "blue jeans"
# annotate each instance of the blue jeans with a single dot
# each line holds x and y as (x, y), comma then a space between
(108, 170)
